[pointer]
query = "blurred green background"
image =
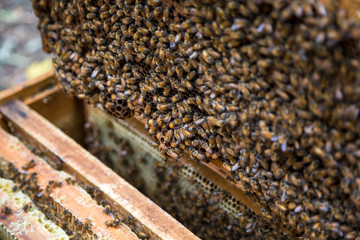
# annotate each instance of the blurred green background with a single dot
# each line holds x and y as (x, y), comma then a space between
(21, 55)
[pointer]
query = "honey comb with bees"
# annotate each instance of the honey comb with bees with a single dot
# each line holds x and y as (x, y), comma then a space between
(270, 89)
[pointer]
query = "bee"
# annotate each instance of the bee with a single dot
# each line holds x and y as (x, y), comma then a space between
(350, 235)
(305, 217)
(317, 226)
(212, 121)
(168, 136)
(75, 236)
(227, 166)
(91, 16)
(97, 193)
(6, 210)
(53, 184)
(179, 71)
(207, 148)
(100, 85)
(87, 224)
(148, 108)
(27, 206)
(104, 7)
(77, 222)
(176, 98)
(61, 224)
(202, 132)
(281, 206)
(319, 152)
(218, 141)
(164, 107)
(115, 223)
(118, 216)
(92, 9)
(187, 133)
(107, 209)
(198, 155)
(171, 153)
(154, 2)
(196, 142)
(313, 166)
(187, 118)
(147, 88)
(277, 171)
(29, 165)
(142, 235)
(187, 84)
(298, 209)
(69, 19)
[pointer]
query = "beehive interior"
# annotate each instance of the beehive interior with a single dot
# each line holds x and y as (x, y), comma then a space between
(270, 88)
(202, 206)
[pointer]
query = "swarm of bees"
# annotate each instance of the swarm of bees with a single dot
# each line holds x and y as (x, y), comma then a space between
(269, 87)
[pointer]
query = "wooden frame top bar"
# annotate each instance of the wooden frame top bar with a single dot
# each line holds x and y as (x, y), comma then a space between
(29, 88)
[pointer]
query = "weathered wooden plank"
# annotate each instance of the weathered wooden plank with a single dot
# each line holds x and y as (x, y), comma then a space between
(29, 88)
(68, 196)
(81, 163)
(42, 95)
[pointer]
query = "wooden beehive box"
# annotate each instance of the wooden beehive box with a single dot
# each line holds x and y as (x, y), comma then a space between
(52, 188)
(197, 194)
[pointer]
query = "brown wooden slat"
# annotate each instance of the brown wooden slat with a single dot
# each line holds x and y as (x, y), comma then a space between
(80, 205)
(29, 88)
(30, 227)
(83, 164)
(42, 95)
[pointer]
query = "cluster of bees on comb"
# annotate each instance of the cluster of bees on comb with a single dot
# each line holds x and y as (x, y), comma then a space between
(270, 88)
(182, 192)
(207, 210)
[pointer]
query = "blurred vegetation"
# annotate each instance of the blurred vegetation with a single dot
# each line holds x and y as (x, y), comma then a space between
(21, 55)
